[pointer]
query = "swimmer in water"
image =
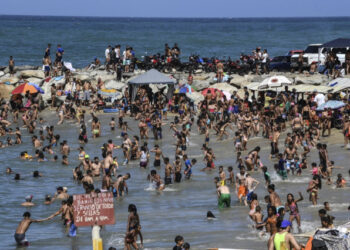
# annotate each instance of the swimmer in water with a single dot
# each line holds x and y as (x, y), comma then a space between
(258, 218)
(222, 176)
(28, 202)
(22, 228)
(224, 196)
(155, 179)
(112, 124)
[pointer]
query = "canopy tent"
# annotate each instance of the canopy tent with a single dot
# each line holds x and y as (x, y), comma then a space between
(274, 82)
(337, 43)
(254, 86)
(151, 77)
(339, 84)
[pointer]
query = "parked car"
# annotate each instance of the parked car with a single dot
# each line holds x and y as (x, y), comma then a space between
(295, 52)
(310, 55)
(280, 63)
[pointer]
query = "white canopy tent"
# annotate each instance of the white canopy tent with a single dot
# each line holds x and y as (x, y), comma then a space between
(151, 77)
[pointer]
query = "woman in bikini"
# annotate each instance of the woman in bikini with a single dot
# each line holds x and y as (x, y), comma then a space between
(253, 204)
(247, 121)
(256, 122)
(252, 159)
(314, 185)
(291, 206)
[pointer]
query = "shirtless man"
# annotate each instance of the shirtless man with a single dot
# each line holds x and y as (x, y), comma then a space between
(169, 170)
(87, 163)
(241, 176)
(106, 182)
(258, 218)
(28, 202)
(67, 213)
(36, 142)
(290, 153)
(224, 197)
(108, 164)
(61, 195)
(249, 183)
(22, 228)
(155, 179)
(158, 154)
(222, 176)
(178, 166)
(120, 184)
(88, 178)
(65, 149)
(96, 167)
(274, 197)
(274, 143)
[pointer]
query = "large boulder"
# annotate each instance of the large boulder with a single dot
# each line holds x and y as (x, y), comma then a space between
(82, 76)
(105, 76)
(33, 73)
(35, 80)
(113, 84)
(10, 80)
(5, 91)
(196, 97)
(238, 81)
(47, 91)
(26, 67)
(199, 85)
(224, 87)
(2, 73)
(310, 80)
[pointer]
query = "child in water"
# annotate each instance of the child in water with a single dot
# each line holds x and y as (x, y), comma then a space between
(242, 193)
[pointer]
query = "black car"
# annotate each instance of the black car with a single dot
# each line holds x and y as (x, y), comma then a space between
(280, 63)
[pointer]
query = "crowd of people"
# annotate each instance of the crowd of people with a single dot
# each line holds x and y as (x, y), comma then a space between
(266, 114)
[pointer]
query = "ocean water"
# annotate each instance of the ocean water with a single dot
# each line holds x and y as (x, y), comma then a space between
(179, 209)
(83, 38)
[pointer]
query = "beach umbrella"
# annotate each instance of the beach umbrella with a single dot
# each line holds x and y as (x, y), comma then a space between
(212, 91)
(274, 82)
(23, 88)
(332, 104)
(185, 89)
(40, 90)
(109, 92)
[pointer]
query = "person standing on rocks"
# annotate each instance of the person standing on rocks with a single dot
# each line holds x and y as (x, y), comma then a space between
(59, 55)
(220, 71)
(47, 54)
(11, 66)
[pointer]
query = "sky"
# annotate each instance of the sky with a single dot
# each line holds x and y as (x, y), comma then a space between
(178, 8)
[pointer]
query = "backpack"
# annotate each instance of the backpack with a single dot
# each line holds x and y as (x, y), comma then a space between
(318, 245)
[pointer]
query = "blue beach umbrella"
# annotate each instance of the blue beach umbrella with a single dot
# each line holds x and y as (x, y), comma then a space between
(36, 86)
(332, 104)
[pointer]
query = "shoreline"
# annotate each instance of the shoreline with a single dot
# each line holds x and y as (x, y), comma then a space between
(201, 79)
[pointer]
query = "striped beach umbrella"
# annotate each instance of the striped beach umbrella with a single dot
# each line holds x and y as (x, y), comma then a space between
(23, 88)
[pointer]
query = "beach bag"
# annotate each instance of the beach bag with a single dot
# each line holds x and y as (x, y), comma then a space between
(318, 245)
